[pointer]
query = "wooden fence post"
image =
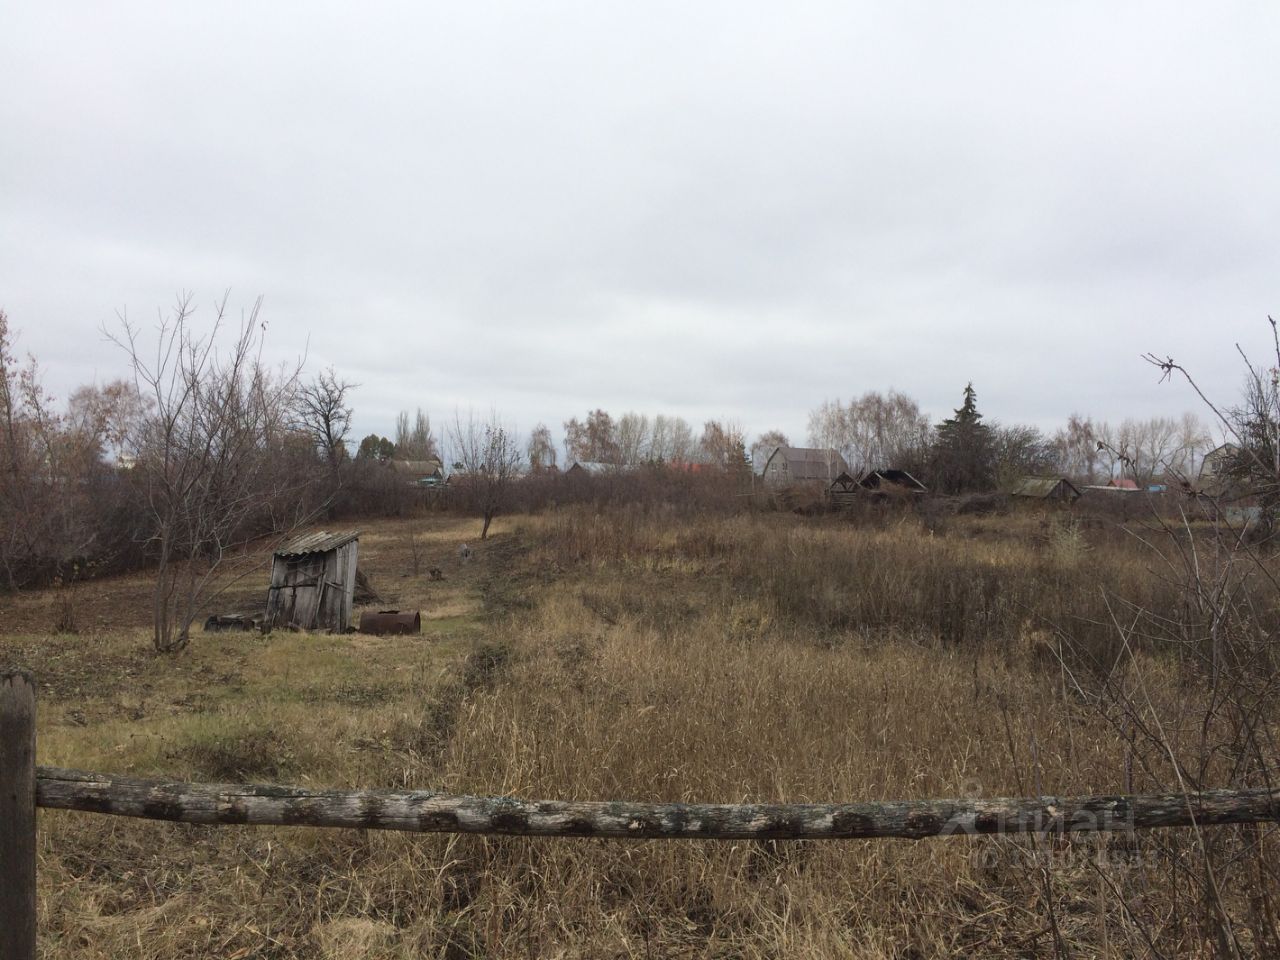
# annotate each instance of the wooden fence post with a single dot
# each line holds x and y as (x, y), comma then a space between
(17, 816)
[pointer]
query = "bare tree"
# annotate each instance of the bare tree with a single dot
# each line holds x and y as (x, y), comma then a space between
(487, 460)
(887, 429)
(53, 483)
(595, 440)
(1076, 448)
(1195, 440)
(1020, 450)
(671, 440)
(634, 438)
(723, 444)
(764, 446)
(828, 428)
(1151, 449)
(875, 431)
(204, 454)
(415, 441)
(106, 415)
(20, 458)
(321, 411)
(542, 449)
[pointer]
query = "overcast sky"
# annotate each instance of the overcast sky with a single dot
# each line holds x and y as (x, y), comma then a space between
(715, 210)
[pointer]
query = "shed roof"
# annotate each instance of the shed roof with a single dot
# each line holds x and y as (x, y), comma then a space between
(422, 468)
(1041, 487)
(319, 542)
(593, 467)
(875, 479)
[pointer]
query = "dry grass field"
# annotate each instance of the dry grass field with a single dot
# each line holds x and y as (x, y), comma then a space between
(645, 654)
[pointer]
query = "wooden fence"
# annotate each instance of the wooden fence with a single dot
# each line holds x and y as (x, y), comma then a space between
(25, 786)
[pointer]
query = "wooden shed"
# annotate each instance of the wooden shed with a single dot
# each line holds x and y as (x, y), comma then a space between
(313, 582)
(1058, 489)
(843, 490)
(891, 481)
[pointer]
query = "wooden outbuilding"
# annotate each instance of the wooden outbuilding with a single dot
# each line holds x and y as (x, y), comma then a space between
(1058, 489)
(313, 582)
(843, 491)
(592, 468)
(420, 473)
(891, 481)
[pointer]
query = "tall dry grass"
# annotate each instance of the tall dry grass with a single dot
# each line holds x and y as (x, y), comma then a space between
(648, 654)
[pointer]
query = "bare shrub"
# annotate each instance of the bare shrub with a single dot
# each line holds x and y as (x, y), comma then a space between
(1068, 543)
(415, 552)
(979, 504)
(204, 456)
(372, 488)
(489, 460)
(64, 609)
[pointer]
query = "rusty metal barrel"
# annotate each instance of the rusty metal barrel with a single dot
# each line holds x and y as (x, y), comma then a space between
(391, 621)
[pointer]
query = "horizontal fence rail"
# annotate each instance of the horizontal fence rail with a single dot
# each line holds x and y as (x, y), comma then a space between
(428, 812)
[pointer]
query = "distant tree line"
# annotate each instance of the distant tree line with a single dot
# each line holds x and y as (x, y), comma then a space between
(204, 447)
(635, 438)
(415, 440)
(965, 452)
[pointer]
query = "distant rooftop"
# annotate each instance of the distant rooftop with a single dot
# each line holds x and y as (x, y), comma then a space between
(1043, 487)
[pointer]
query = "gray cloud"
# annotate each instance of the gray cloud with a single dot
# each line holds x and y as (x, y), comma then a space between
(715, 210)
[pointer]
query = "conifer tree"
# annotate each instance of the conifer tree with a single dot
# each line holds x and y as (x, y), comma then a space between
(963, 449)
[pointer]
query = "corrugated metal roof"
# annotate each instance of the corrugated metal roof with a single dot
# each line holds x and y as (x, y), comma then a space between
(319, 542)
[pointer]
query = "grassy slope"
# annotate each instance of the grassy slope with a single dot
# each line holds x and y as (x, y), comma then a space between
(610, 656)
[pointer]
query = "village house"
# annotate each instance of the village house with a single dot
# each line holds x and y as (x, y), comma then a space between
(791, 465)
(419, 473)
(1212, 481)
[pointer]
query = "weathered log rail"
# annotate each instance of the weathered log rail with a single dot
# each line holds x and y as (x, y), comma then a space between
(421, 811)
(24, 787)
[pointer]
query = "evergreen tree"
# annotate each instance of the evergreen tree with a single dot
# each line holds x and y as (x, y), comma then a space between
(963, 450)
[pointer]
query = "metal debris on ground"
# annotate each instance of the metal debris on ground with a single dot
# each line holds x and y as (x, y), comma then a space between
(222, 622)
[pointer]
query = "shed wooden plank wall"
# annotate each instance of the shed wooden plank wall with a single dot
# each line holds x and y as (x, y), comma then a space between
(352, 551)
(314, 591)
